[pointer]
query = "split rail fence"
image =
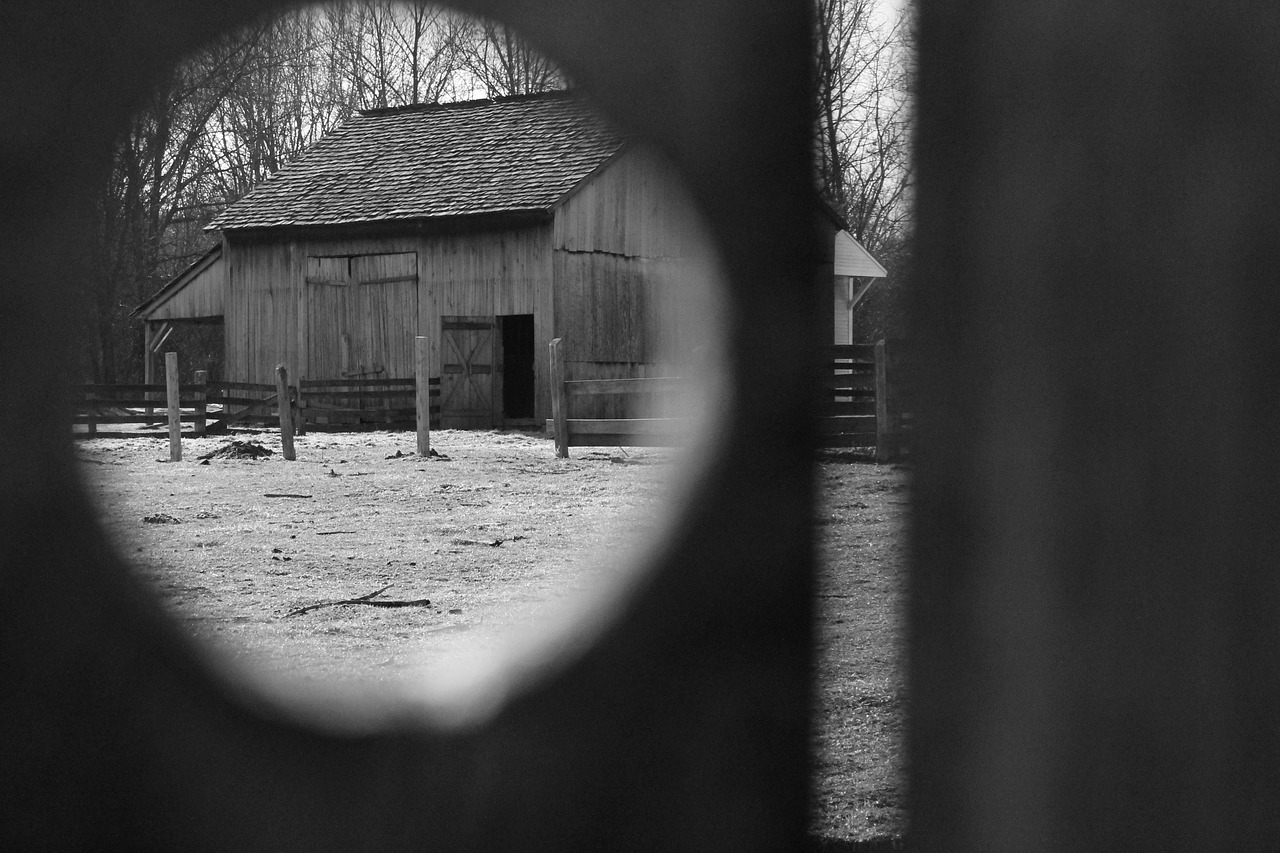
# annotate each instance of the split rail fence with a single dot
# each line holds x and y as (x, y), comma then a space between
(215, 407)
(862, 404)
(206, 407)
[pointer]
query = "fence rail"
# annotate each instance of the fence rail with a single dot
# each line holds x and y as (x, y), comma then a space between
(220, 405)
(861, 405)
(213, 407)
(607, 432)
(863, 401)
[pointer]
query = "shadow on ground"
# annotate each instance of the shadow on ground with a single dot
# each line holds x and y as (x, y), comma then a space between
(842, 845)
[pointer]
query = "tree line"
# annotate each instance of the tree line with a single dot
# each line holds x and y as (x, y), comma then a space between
(246, 105)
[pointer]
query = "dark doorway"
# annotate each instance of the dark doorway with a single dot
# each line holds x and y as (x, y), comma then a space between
(517, 366)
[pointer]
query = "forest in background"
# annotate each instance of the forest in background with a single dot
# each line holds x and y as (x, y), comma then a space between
(249, 103)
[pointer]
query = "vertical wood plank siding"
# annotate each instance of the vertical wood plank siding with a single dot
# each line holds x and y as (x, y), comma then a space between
(505, 271)
(610, 273)
(633, 206)
(202, 296)
(487, 273)
(625, 243)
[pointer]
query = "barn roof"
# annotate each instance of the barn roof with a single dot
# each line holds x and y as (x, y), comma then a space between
(509, 155)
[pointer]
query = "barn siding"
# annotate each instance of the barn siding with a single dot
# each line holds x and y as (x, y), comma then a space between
(635, 205)
(625, 248)
(489, 273)
(200, 296)
(485, 273)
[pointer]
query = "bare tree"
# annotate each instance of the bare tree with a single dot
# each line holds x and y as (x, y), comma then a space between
(147, 199)
(862, 76)
(233, 114)
(290, 96)
(862, 144)
(395, 54)
(500, 63)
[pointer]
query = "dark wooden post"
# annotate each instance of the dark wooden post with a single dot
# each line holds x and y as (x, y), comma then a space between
(148, 363)
(559, 402)
(201, 401)
(285, 408)
(173, 391)
(886, 423)
(422, 392)
(90, 405)
(299, 408)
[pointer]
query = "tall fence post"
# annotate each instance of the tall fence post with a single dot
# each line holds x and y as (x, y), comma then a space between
(172, 391)
(886, 414)
(92, 408)
(422, 394)
(299, 408)
(148, 367)
(559, 402)
(201, 402)
(285, 408)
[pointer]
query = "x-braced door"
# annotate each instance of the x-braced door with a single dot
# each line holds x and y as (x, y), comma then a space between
(466, 372)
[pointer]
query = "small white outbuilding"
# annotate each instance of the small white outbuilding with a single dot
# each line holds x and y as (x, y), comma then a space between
(855, 270)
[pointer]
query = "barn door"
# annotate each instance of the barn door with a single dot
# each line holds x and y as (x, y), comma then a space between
(361, 316)
(328, 339)
(384, 315)
(466, 372)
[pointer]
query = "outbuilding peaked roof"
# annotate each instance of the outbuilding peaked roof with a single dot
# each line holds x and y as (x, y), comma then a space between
(507, 155)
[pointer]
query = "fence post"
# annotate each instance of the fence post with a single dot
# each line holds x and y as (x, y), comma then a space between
(201, 401)
(886, 428)
(148, 368)
(559, 402)
(422, 394)
(285, 408)
(86, 402)
(300, 407)
(175, 415)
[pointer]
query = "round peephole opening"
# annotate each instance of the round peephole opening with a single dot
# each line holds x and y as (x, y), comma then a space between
(417, 348)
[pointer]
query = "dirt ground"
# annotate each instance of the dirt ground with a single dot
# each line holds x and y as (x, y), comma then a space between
(496, 535)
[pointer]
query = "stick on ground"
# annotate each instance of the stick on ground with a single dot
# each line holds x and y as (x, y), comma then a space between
(364, 599)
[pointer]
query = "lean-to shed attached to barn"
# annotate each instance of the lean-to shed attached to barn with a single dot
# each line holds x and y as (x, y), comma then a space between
(490, 227)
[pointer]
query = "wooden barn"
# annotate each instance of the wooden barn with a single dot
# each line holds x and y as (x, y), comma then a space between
(489, 227)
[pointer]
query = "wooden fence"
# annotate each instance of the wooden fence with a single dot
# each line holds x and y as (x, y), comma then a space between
(606, 432)
(137, 404)
(214, 407)
(346, 403)
(864, 398)
(862, 405)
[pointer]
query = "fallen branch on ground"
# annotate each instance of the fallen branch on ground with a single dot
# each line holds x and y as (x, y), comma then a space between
(364, 599)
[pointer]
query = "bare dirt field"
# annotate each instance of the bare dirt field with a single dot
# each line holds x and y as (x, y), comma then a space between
(496, 535)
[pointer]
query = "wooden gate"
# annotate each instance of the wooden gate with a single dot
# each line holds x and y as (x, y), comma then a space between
(466, 372)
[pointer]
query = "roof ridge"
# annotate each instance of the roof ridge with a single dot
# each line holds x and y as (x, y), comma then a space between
(554, 94)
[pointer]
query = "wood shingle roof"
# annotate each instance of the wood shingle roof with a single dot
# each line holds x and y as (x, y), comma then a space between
(509, 155)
